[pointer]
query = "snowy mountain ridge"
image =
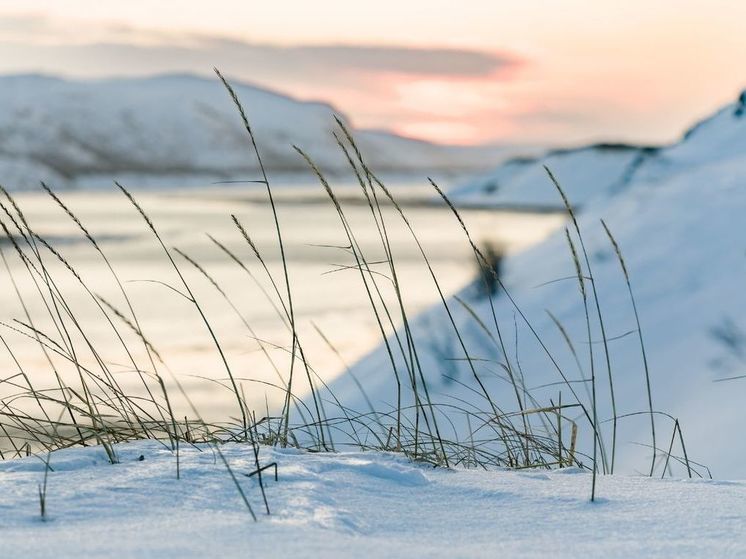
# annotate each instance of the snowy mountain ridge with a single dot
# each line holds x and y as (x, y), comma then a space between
(603, 170)
(69, 131)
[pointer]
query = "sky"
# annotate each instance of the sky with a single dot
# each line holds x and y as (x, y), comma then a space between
(473, 71)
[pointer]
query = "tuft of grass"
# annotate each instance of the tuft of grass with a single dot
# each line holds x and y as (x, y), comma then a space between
(513, 428)
(622, 263)
(43, 489)
(599, 314)
(594, 402)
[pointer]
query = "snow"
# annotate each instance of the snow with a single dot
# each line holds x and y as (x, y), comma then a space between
(600, 171)
(351, 503)
(720, 137)
(681, 235)
(173, 128)
(521, 182)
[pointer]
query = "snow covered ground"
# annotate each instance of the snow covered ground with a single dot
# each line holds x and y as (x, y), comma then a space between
(352, 504)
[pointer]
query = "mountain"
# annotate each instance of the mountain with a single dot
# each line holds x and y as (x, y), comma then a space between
(717, 138)
(181, 128)
(602, 170)
(679, 224)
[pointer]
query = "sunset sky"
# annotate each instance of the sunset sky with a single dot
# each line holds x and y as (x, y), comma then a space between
(527, 71)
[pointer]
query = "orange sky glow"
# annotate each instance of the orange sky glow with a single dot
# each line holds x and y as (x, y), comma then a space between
(537, 72)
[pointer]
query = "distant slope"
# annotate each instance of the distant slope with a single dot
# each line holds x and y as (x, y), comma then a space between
(584, 172)
(679, 222)
(68, 131)
(604, 169)
(716, 138)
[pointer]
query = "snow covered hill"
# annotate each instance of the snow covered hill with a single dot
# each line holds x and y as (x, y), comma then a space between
(587, 171)
(604, 170)
(720, 137)
(680, 227)
(178, 129)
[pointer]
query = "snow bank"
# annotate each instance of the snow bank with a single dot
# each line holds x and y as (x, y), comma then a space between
(351, 504)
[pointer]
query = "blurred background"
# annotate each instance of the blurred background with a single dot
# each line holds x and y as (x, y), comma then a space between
(507, 78)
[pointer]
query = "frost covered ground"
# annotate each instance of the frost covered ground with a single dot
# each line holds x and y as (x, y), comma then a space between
(352, 504)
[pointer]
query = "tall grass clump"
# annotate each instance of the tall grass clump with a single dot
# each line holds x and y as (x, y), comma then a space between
(495, 419)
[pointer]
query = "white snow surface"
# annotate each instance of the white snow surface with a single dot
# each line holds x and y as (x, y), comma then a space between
(521, 183)
(681, 234)
(351, 504)
(178, 127)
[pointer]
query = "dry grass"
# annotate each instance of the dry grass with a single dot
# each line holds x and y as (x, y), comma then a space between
(94, 409)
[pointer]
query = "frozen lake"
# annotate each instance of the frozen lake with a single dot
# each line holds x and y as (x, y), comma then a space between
(327, 298)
